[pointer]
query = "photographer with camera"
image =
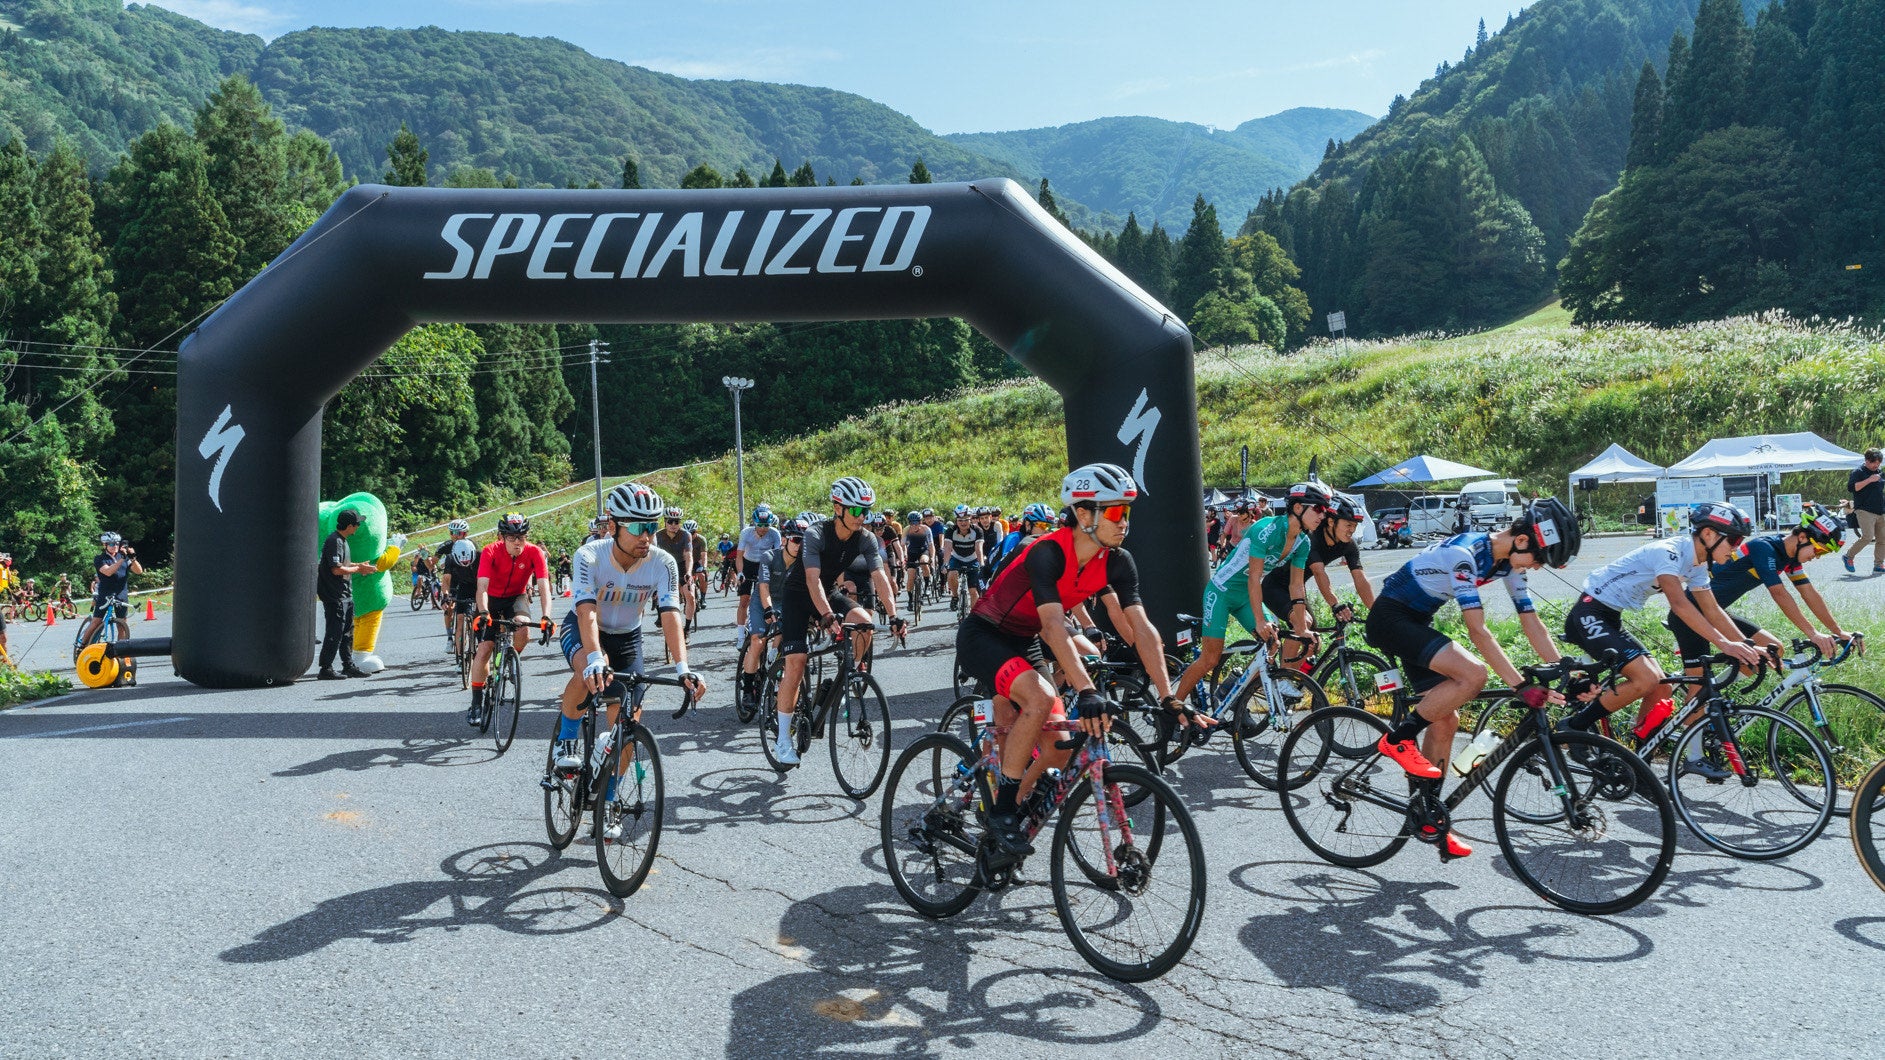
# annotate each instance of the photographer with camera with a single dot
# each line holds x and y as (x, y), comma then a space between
(114, 567)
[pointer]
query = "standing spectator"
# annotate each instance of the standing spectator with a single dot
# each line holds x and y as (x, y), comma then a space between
(112, 569)
(1868, 505)
(334, 585)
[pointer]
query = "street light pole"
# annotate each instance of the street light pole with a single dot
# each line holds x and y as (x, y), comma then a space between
(595, 416)
(735, 385)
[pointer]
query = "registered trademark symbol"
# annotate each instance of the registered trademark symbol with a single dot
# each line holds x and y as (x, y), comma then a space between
(916, 270)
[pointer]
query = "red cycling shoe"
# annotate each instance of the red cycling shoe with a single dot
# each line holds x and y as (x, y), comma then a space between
(1406, 754)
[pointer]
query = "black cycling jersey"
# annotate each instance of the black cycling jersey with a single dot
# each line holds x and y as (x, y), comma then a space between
(832, 556)
(1324, 553)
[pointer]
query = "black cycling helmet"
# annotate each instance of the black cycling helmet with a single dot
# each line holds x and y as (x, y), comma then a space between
(793, 529)
(1345, 508)
(513, 523)
(1821, 526)
(1553, 530)
(1724, 518)
(1314, 494)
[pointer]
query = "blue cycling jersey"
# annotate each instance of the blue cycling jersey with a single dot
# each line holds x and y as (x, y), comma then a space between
(1454, 570)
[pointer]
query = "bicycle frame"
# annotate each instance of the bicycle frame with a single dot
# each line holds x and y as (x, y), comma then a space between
(1534, 724)
(1089, 760)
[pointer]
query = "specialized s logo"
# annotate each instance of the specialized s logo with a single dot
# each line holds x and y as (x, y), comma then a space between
(221, 442)
(1140, 423)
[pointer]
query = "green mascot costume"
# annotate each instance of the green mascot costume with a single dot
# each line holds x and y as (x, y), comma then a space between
(371, 592)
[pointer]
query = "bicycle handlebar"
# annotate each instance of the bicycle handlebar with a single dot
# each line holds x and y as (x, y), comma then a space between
(630, 682)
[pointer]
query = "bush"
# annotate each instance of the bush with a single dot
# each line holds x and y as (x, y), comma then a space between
(20, 686)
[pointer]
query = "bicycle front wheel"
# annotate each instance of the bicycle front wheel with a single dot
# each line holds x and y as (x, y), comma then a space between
(631, 822)
(505, 702)
(562, 794)
(1597, 835)
(1348, 680)
(1296, 696)
(1778, 801)
(1868, 823)
(1132, 910)
(859, 735)
(1848, 710)
(418, 595)
(927, 826)
(1352, 809)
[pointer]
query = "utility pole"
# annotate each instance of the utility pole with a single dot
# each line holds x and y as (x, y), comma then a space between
(735, 385)
(595, 415)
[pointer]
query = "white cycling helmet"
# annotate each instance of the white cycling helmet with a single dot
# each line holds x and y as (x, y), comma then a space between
(851, 490)
(632, 500)
(464, 553)
(673, 513)
(690, 526)
(1098, 485)
(458, 526)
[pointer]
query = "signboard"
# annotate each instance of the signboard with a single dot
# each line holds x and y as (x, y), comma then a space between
(1686, 491)
(1787, 508)
(1338, 321)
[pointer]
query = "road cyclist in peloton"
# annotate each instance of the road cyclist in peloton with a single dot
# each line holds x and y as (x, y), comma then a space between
(916, 557)
(1009, 635)
(508, 569)
(465, 585)
(1444, 674)
(1762, 560)
(1678, 568)
(1285, 590)
(613, 580)
(964, 541)
(677, 542)
(1334, 542)
(700, 566)
(756, 542)
(763, 620)
(829, 547)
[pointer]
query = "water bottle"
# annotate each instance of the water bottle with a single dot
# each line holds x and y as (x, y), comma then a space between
(1653, 718)
(601, 753)
(1474, 753)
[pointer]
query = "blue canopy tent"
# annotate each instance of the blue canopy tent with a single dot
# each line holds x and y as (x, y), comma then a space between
(1423, 469)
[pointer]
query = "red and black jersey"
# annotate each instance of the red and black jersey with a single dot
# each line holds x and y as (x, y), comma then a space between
(1046, 574)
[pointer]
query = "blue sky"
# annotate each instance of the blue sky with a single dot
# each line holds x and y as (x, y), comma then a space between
(977, 65)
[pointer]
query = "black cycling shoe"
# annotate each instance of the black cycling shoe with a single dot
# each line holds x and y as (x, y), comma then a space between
(1006, 836)
(1580, 753)
(1705, 769)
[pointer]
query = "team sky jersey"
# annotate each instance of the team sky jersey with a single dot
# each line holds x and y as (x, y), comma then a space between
(755, 543)
(1322, 553)
(832, 556)
(1762, 561)
(1454, 570)
(618, 594)
(511, 577)
(1627, 583)
(1263, 540)
(1045, 574)
(962, 543)
(916, 543)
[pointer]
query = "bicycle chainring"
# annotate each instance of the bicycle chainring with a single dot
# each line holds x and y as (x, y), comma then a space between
(1612, 777)
(1428, 814)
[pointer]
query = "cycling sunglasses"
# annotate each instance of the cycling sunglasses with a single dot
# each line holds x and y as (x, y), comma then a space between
(857, 511)
(1116, 513)
(674, 522)
(638, 528)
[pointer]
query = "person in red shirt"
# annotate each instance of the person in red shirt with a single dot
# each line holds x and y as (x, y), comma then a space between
(1007, 635)
(507, 570)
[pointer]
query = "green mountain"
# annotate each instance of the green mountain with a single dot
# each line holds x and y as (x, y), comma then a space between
(1156, 168)
(549, 113)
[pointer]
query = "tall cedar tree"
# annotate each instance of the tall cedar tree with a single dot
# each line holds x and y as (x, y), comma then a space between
(406, 160)
(1052, 205)
(1711, 90)
(246, 148)
(1202, 256)
(919, 173)
(1645, 118)
(631, 173)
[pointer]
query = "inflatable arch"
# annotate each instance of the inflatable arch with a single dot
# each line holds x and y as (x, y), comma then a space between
(254, 377)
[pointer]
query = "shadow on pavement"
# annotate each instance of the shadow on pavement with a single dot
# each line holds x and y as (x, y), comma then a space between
(448, 722)
(1864, 930)
(1384, 945)
(415, 752)
(486, 886)
(881, 979)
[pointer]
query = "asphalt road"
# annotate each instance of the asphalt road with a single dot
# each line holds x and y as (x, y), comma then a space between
(339, 869)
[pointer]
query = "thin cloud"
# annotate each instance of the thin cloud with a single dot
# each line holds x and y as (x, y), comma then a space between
(233, 15)
(1363, 60)
(758, 64)
(1142, 87)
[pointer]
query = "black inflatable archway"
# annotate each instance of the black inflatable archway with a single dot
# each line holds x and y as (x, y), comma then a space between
(254, 377)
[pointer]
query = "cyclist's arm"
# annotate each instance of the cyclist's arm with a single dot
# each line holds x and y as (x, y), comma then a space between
(1139, 626)
(1255, 577)
(1818, 604)
(1362, 588)
(543, 594)
(1054, 635)
(1539, 636)
(1320, 571)
(1704, 616)
(1488, 645)
(478, 599)
(886, 592)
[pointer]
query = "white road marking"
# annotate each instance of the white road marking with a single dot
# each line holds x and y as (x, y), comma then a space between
(96, 728)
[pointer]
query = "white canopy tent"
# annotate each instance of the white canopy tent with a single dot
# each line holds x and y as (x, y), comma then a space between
(1763, 453)
(1615, 464)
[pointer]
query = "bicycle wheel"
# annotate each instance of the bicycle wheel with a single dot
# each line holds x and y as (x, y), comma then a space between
(1132, 911)
(33, 611)
(1778, 802)
(769, 715)
(418, 595)
(495, 680)
(1868, 823)
(1498, 709)
(463, 651)
(504, 702)
(959, 721)
(636, 808)
(1846, 710)
(927, 826)
(858, 731)
(1352, 812)
(1347, 678)
(563, 800)
(1619, 841)
(1260, 752)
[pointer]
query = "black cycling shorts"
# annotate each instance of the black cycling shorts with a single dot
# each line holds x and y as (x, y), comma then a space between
(1409, 640)
(1693, 645)
(795, 617)
(1276, 593)
(993, 658)
(1597, 630)
(623, 650)
(504, 608)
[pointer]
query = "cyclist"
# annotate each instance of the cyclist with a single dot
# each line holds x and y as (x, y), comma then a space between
(829, 547)
(1334, 542)
(1670, 565)
(599, 530)
(1285, 596)
(1445, 674)
(676, 542)
(1278, 542)
(725, 549)
(467, 573)
(991, 539)
(763, 622)
(114, 565)
(1035, 520)
(612, 579)
(965, 555)
(916, 552)
(700, 562)
(507, 569)
(1761, 561)
(937, 528)
(756, 542)
(1021, 620)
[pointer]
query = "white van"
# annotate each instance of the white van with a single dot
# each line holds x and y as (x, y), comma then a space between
(1492, 504)
(1432, 513)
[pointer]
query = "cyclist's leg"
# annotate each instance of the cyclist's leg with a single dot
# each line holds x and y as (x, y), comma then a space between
(1599, 632)
(1219, 602)
(795, 616)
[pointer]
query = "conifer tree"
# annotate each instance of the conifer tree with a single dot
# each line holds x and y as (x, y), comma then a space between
(631, 173)
(246, 150)
(1202, 255)
(1051, 205)
(406, 160)
(919, 173)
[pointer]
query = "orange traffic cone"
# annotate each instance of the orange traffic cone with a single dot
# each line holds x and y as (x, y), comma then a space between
(50, 613)
(150, 610)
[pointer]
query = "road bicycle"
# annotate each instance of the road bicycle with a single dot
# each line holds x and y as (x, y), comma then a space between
(1347, 674)
(464, 645)
(504, 688)
(970, 716)
(21, 607)
(723, 581)
(1125, 864)
(110, 629)
(1748, 781)
(747, 706)
(426, 590)
(627, 828)
(1868, 823)
(848, 708)
(1581, 821)
(1255, 727)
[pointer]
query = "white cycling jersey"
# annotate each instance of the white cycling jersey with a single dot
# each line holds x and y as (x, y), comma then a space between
(618, 594)
(755, 543)
(1627, 583)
